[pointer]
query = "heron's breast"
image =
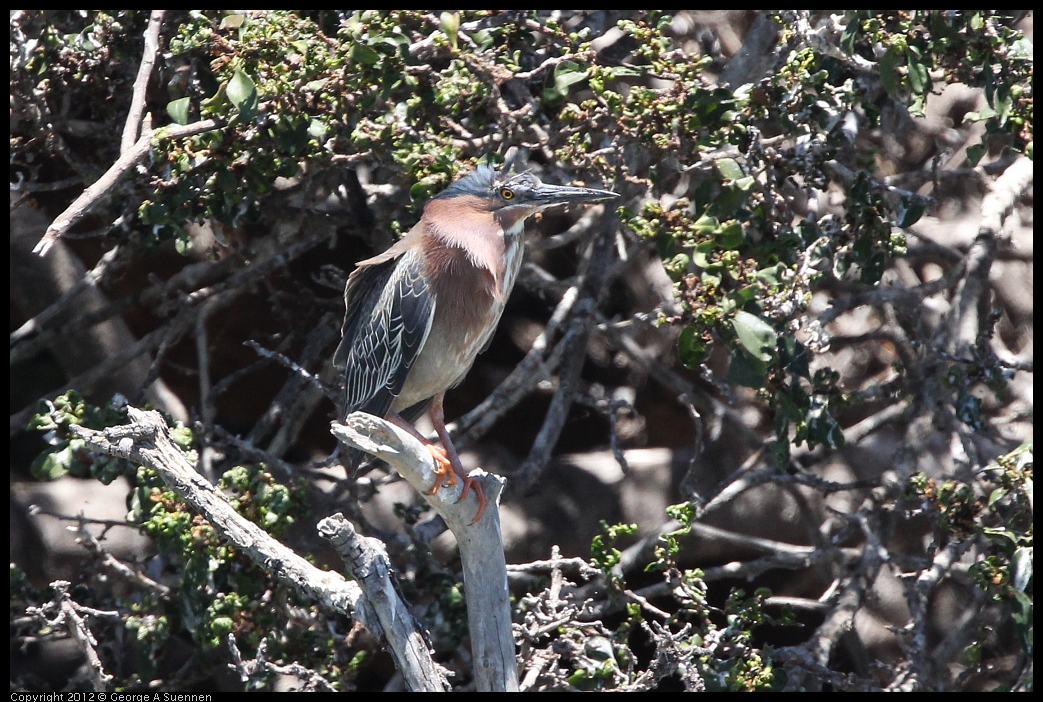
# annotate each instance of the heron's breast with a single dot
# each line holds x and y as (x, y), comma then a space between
(467, 311)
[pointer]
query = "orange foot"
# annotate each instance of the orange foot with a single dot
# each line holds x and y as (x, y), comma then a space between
(447, 472)
(443, 468)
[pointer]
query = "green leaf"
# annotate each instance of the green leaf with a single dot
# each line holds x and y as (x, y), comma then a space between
(850, 36)
(72, 405)
(746, 293)
(730, 236)
(1003, 532)
(419, 191)
(773, 275)
(579, 678)
(620, 72)
(729, 168)
(183, 244)
(873, 268)
(1021, 613)
(53, 464)
(918, 105)
(393, 42)
(242, 91)
(711, 276)
(1002, 102)
(1021, 50)
(823, 429)
(756, 335)
(483, 38)
(216, 103)
(692, 349)
(782, 448)
(292, 135)
(707, 224)
(791, 409)
(747, 372)
(566, 74)
(974, 153)
(701, 254)
(1021, 568)
(729, 199)
(178, 110)
(982, 114)
(683, 514)
(889, 73)
(745, 184)
(42, 421)
(910, 209)
(794, 356)
(677, 266)
(450, 22)
(363, 55)
(862, 248)
(232, 21)
(919, 80)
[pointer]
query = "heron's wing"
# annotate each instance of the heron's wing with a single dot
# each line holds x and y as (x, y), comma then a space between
(389, 308)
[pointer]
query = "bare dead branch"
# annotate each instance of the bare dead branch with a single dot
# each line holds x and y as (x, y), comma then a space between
(137, 102)
(481, 548)
(100, 188)
(368, 561)
(147, 441)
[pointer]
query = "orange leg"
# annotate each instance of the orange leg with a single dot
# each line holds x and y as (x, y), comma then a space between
(447, 461)
(438, 419)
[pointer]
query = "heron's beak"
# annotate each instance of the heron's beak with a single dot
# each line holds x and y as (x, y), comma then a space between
(546, 195)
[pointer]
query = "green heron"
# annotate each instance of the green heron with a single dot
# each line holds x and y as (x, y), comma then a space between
(418, 314)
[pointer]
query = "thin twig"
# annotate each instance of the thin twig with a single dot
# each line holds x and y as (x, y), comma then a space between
(96, 191)
(188, 277)
(137, 101)
(59, 306)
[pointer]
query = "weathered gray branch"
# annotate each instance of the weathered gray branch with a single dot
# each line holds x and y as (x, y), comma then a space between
(147, 441)
(481, 544)
(370, 565)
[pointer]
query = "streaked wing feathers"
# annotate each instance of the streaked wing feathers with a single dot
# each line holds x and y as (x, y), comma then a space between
(388, 317)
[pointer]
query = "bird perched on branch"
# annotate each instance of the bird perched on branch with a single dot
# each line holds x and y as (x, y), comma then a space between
(418, 314)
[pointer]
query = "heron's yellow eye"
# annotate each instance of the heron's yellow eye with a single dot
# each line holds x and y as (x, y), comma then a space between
(507, 193)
